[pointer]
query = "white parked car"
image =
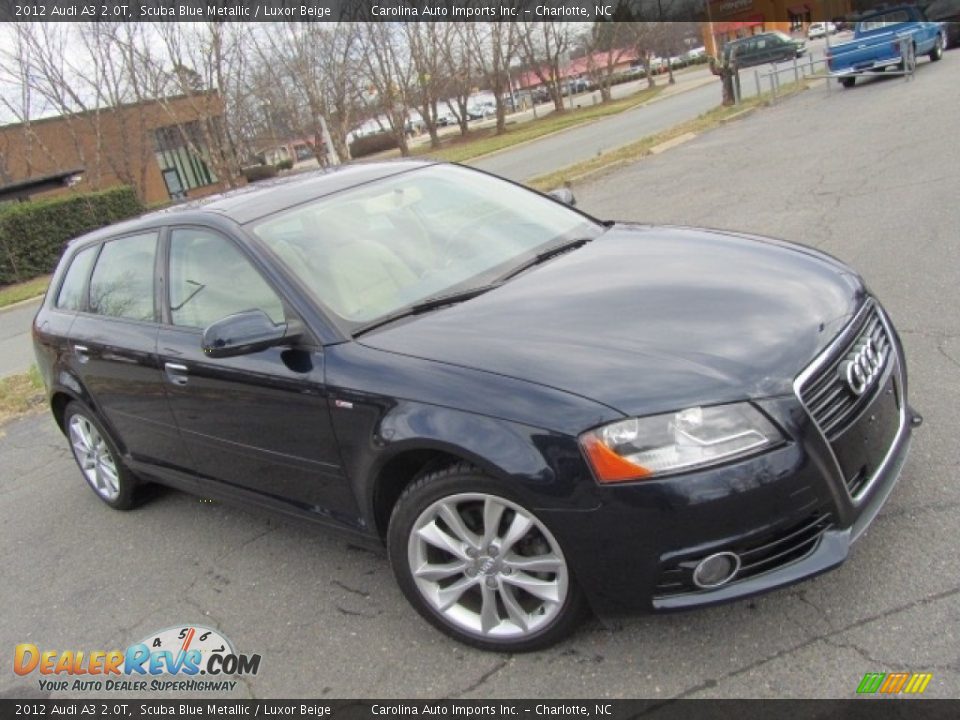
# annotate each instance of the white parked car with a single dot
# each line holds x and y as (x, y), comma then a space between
(820, 29)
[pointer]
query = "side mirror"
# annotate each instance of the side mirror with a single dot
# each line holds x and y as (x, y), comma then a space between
(564, 195)
(246, 332)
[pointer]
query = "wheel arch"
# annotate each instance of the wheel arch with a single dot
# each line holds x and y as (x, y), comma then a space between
(65, 389)
(58, 406)
(530, 463)
(395, 471)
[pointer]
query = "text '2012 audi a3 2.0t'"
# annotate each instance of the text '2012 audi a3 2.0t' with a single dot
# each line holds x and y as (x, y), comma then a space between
(536, 411)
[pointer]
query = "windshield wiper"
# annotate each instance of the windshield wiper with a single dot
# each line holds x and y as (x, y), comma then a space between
(430, 303)
(546, 255)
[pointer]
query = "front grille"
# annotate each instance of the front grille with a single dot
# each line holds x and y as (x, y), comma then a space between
(826, 395)
(762, 554)
(789, 545)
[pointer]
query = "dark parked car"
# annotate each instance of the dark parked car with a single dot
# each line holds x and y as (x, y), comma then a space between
(541, 95)
(575, 86)
(537, 412)
(769, 47)
(947, 12)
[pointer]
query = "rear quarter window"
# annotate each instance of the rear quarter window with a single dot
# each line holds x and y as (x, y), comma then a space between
(878, 22)
(122, 281)
(71, 295)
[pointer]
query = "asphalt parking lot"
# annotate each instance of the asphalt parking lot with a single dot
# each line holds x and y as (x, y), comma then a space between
(871, 175)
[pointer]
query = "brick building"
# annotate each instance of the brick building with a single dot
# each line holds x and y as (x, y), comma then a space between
(166, 149)
(732, 19)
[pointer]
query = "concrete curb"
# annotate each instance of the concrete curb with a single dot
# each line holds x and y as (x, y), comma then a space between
(672, 143)
(742, 114)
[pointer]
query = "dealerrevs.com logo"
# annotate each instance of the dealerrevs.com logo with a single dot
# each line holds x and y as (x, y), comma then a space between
(184, 658)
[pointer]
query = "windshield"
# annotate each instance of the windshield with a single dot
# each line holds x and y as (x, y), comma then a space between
(373, 250)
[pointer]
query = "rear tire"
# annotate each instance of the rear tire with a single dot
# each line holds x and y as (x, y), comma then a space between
(938, 47)
(848, 82)
(479, 566)
(98, 458)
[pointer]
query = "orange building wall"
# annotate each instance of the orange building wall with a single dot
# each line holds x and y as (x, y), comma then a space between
(730, 19)
(114, 147)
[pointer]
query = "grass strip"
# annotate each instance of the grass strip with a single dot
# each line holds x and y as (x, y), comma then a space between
(20, 394)
(17, 292)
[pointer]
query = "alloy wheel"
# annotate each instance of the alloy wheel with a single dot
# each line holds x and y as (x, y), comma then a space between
(94, 458)
(488, 566)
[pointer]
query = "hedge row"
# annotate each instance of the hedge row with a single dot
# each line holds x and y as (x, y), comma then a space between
(33, 234)
(370, 144)
(253, 173)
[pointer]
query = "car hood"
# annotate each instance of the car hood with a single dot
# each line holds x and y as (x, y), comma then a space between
(648, 319)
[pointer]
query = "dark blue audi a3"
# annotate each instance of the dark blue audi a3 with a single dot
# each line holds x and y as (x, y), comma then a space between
(539, 413)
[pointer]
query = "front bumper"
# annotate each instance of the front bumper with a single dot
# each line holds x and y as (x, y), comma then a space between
(790, 513)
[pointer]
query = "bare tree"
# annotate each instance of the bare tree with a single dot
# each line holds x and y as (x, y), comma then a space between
(115, 78)
(645, 37)
(426, 43)
(15, 72)
(312, 66)
(70, 85)
(607, 45)
(669, 42)
(387, 66)
(461, 71)
(546, 47)
(215, 55)
(494, 46)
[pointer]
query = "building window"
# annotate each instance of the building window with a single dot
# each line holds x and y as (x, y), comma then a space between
(183, 157)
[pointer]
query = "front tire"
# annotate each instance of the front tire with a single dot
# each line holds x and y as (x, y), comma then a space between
(848, 82)
(98, 458)
(478, 565)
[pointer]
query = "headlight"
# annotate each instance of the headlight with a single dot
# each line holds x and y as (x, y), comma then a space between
(645, 447)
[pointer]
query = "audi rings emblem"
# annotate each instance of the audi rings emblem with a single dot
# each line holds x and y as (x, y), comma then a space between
(862, 366)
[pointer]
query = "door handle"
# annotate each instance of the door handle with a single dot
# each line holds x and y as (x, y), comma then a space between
(176, 373)
(82, 352)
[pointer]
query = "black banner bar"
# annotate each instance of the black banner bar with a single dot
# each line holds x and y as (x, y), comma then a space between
(859, 709)
(720, 11)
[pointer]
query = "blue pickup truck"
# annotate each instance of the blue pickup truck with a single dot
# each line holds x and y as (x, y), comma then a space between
(892, 37)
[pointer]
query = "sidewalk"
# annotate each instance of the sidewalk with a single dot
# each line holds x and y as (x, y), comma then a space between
(16, 349)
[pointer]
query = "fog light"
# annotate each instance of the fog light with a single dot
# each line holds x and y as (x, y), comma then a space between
(716, 570)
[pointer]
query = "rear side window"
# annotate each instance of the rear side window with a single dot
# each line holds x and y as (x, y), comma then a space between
(70, 296)
(122, 281)
(878, 22)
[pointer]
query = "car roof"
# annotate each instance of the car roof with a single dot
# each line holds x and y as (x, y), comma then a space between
(255, 200)
(752, 37)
